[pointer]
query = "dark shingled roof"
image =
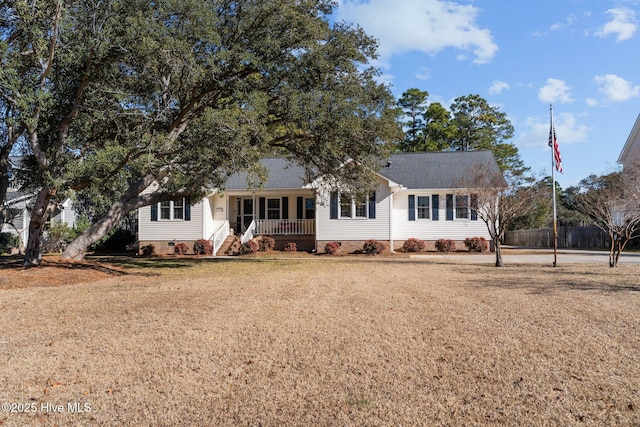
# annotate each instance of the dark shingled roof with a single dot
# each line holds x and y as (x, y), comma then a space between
(437, 170)
(282, 174)
(431, 170)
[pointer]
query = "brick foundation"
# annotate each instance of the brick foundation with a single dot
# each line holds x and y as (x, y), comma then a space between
(165, 247)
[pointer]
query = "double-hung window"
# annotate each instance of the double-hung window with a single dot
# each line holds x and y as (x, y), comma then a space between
(165, 210)
(344, 205)
(171, 210)
(423, 207)
(178, 209)
(360, 204)
(273, 208)
(462, 207)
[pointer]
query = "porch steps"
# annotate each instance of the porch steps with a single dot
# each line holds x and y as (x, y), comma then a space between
(230, 246)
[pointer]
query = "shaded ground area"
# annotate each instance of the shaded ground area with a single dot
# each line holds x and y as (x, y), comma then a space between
(345, 341)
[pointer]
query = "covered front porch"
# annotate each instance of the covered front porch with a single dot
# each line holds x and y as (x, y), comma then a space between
(286, 215)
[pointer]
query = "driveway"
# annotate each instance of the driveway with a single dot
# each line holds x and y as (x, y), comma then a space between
(539, 256)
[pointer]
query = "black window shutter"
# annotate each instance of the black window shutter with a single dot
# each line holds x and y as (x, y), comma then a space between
(449, 207)
(187, 209)
(372, 206)
(285, 208)
(300, 208)
(262, 208)
(154, 212)
(474, 207)
(412, 207)
(333, 205)
(435, 207)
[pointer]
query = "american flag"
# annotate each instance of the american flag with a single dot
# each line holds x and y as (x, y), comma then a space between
(553, 142)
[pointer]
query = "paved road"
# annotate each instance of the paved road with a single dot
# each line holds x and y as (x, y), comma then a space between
(541, 256)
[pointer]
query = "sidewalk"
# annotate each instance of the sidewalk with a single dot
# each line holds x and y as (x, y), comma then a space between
(536, 256)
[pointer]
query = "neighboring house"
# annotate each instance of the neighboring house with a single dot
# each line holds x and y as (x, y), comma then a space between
(417, 195)
(630, 154)
(19, 204)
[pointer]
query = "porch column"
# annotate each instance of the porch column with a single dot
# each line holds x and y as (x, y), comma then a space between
(391, 222)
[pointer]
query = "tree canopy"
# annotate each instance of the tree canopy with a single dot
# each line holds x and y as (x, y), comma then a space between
(471, 124)
(115, 95)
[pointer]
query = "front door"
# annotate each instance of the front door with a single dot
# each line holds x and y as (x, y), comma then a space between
(247, 213)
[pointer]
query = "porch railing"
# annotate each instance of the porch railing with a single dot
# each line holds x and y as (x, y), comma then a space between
(219, 236)
(248, 235)
(285, 226)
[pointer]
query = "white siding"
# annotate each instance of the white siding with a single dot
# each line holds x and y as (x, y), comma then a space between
(169, 230)
(354, 229)
(215, 213)
(427, 229)
(66, 214)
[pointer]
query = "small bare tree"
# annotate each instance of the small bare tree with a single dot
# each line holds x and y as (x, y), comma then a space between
(500, 199)
(612, 202)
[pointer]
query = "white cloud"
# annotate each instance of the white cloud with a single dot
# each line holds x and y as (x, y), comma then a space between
(623, 24)
(555, 91)
(592, 102)
(428, 26)
(497, 87)
(616, 88)
(567, 23)
(424, 73)
(568, 131)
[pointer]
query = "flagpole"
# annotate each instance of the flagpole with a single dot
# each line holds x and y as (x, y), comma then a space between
(552, 141)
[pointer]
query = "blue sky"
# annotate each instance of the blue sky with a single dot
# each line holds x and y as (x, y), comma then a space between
(582, 56)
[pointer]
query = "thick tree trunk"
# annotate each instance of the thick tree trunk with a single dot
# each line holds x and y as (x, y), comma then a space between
(77, 249)
(39, 216)
(133, 199)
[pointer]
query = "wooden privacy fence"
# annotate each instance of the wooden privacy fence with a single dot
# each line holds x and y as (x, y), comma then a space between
(577, 237)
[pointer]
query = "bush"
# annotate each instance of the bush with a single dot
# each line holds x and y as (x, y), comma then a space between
(181, 249)
(57, 237)
(332, 248)
(116, 241)
(290, 247)
(8, 241)
(147, 250)
(267, 243)
(373, 247)
(202, 247)
(445, 245)
(248, 248)
(414, 245)
(476, 244)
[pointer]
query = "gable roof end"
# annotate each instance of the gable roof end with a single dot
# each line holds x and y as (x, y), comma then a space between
(634, 138)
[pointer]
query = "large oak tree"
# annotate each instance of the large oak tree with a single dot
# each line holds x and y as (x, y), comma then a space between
(116, 95)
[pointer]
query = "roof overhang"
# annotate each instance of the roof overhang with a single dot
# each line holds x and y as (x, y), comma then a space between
(634, 138)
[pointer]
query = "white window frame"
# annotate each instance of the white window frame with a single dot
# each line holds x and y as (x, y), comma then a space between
(428, 208)
(353, 209)
(456, 209)
(170, 205)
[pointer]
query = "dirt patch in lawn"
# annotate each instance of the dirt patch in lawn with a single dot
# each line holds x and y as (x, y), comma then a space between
(342, 341)
(52, 272)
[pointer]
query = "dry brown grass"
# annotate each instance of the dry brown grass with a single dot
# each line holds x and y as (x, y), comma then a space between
(325, 341)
